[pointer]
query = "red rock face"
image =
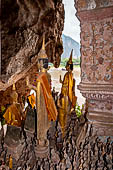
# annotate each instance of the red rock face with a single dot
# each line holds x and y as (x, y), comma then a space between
(22, 26)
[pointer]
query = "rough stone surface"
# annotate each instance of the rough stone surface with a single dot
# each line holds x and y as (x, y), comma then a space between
(21, 87)
(22, 26)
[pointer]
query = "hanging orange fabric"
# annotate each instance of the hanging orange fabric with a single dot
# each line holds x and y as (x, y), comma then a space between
(50, 105)
(31, 99)
(70, 85)
(68, 81)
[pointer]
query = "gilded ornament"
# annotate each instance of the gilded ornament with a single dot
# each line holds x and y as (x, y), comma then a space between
(93, 42)
(10, 162)
(107, 77)
(94, 67)
(111, 49)
(108, 106)
(82, 4)
(93, 53)
(108, 68)
(100, 60)
(89, 78)
(93, 27)
(84, 53)
(101, 30)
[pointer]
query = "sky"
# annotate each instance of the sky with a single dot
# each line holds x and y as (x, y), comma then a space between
(71, 24)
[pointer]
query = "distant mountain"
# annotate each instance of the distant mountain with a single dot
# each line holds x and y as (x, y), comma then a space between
(69, 44)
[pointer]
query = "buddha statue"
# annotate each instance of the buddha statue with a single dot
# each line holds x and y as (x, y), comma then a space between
(69, 81)
(63, 105)
(43, 62)
(45, 107)
(14, 113)
(67, 101)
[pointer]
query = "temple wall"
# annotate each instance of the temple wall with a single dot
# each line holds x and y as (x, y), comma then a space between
(96, 138)
(96, 21)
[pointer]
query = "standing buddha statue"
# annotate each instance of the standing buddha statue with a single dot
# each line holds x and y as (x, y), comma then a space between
(67, 101)
(69, 81)
(63, 109)
(46, 110)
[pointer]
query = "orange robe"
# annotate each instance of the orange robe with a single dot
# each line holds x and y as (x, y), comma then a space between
(13, 116)
(31, 99)
(50, 105)
(69, 82)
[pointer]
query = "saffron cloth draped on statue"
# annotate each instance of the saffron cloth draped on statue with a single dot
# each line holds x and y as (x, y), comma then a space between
(69, 82)
(50, 105)
(13, 116)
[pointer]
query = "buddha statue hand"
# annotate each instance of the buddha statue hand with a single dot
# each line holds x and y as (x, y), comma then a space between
(60, 80)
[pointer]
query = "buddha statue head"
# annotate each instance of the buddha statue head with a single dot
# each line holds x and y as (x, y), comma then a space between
(14, 94)
(69, 64)
(42, 57)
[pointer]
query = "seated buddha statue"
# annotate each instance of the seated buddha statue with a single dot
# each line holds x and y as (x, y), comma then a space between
(69, 81)
(13, 115)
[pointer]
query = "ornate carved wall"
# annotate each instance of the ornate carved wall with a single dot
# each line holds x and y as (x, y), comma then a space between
(96, 18)
(95, 142)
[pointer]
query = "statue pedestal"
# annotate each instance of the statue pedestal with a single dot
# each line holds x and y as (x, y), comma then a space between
(13, 141)
(42, 151)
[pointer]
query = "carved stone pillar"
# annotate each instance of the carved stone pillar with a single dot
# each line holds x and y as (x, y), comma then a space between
(95, 139)
(96, 18)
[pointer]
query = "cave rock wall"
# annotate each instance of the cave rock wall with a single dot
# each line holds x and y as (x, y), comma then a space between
(23, 23)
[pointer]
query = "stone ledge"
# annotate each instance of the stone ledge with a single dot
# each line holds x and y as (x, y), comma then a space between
(100, 118)
(95, 14)
(101, 129)
(98, 87)
(96, 91)
(42, 152)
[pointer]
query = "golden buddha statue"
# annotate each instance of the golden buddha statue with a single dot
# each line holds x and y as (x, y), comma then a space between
(46, 110)
(63, 104)
(67, 101)
(10, 162)
(69, 81)
(14, 113)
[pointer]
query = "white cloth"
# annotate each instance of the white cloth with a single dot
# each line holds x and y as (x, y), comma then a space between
(5, 129)
(0, 126)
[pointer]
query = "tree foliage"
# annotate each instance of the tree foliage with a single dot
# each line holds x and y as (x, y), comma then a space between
(64, 61)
